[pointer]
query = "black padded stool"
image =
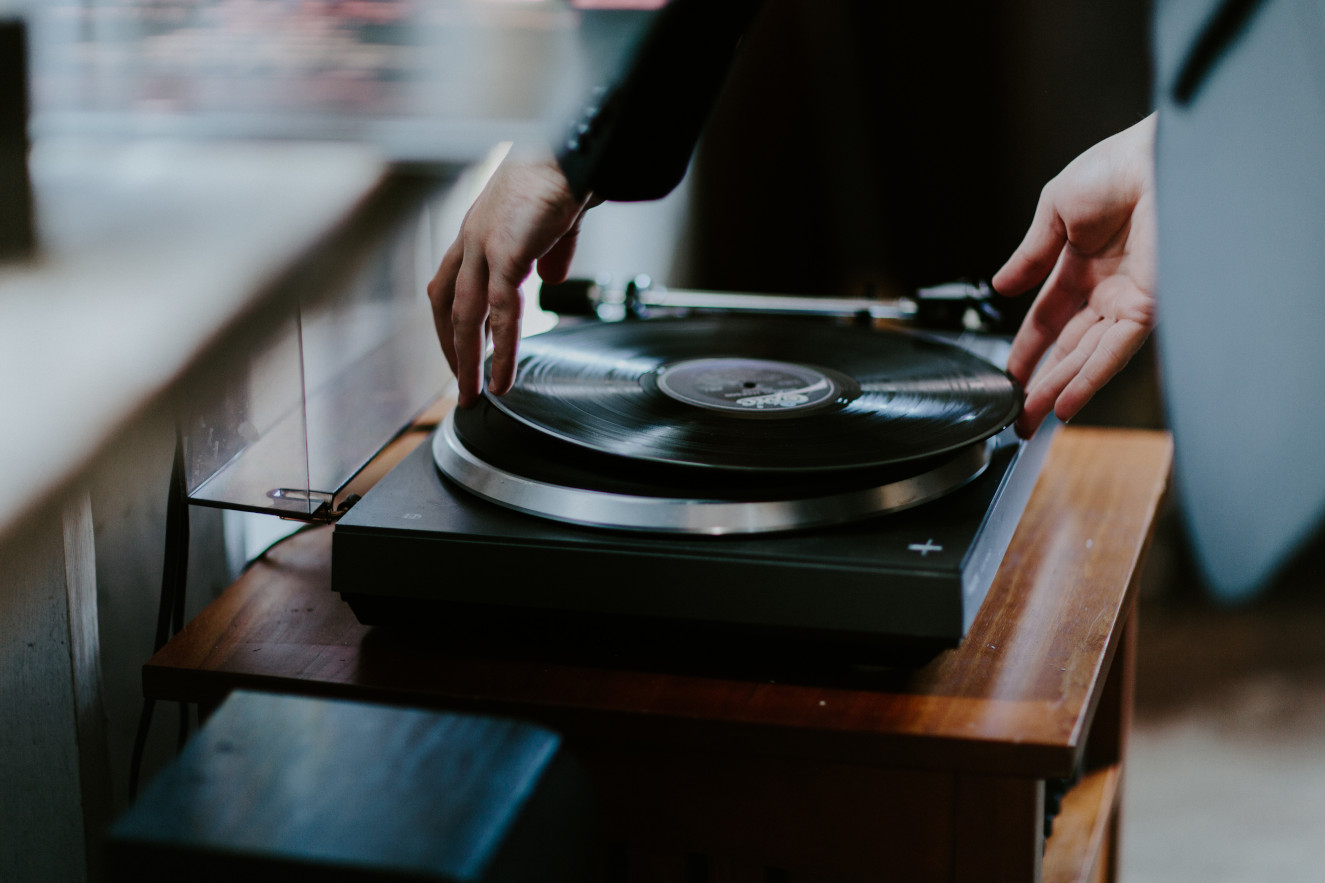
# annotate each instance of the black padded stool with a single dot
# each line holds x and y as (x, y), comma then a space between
(297, 789)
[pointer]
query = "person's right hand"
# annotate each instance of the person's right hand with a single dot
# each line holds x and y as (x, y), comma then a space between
(1092, 243)
(525, 215)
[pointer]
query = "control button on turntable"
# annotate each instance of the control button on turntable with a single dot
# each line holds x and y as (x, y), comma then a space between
(925, 548)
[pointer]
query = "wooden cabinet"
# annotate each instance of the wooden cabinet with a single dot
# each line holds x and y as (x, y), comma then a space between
(936, 773)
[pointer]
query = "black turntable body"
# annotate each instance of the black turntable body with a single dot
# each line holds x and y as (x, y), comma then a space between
(776, 483)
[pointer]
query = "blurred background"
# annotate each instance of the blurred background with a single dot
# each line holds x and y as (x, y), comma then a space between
(858, 147)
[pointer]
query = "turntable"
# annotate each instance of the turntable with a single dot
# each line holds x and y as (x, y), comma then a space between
(716, 479)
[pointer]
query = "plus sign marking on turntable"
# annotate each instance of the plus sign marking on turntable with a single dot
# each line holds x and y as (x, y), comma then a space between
(925, 548)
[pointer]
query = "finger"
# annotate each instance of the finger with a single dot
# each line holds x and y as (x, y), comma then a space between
(1043, 393)
(468, 314)
(1054, 307)
(1115, 349)
(1038, 252)
(504, 309)
(441, 294)
(1030, 419)
(1038, 404)
(1050, 383)
(1069, 339)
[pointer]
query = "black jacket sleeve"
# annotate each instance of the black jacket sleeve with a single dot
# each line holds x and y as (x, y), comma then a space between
(635, 138)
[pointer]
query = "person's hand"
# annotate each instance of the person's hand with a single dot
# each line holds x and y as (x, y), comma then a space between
(1092, 243)
(525, 215)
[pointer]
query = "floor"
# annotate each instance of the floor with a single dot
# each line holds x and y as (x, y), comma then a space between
(1226, 763)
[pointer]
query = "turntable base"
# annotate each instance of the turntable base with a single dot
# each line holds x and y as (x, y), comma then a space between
(781, 483)
(421, 552)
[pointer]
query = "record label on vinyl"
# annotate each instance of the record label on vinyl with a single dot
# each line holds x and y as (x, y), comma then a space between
(747, 386)
(701, 392)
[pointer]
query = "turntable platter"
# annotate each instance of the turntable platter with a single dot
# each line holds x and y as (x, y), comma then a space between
(729, 425)
(552, 482)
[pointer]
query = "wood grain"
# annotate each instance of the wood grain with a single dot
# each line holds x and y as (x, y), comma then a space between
(1001, 825)
(1084, 827)
(774, 774)
(1015, 699)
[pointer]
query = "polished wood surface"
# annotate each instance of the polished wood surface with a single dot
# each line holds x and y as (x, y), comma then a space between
(1084, 828)
(815, 772)
(1015, 698)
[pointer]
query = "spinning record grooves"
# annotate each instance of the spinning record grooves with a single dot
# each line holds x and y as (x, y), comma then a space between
(758, 394)
(728, 425)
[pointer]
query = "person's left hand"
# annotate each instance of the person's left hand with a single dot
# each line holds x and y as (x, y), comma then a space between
(526, 215)
(1092, 242)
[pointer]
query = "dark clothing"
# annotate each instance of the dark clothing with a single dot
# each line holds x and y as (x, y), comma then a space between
(635, 138)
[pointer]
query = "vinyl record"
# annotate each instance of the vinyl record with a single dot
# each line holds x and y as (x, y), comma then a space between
(758, 394)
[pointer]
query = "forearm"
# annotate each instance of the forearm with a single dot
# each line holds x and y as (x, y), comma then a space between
(635, 138)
